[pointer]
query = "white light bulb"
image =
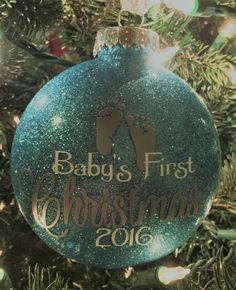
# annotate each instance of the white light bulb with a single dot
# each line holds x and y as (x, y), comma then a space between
(128, 272)
(16, 119)
(139, 7)
(229, 29)
(232, 75)
(167, 275)
(188, 7)
(2, 205)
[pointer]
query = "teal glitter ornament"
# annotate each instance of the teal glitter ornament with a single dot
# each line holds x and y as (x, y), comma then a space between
(115, 161)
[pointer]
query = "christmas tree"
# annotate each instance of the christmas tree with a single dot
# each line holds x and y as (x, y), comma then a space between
(38, 40)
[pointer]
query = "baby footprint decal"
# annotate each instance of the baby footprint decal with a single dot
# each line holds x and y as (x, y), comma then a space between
(143, 137)
(108, 121)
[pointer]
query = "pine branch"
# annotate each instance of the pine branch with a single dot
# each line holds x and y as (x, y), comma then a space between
(29, 16)
(11, 62)
(31, 48)
(16, 93)
(230, 3)
(7, 127)
(200, 66)
(223, 108)
(226, 198)
(86, 18)
(168, 24)
(196, 62)
(42, 279)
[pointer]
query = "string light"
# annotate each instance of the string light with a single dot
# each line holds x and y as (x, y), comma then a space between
(200, 8)
(138, 7)
(157, 276)
(226, 32)
(2, 205)
(168, 275)
(2, 274)
(128, 272)
(189, 7)
(232, 75)
(16, 119)
(228, 29)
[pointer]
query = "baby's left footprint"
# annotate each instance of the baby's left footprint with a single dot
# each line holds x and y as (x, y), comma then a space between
(108, 121)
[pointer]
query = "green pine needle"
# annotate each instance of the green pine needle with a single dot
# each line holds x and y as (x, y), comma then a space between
(29, 16)
(42, 279)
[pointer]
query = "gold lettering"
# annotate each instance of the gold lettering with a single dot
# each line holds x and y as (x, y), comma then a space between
(151, 204)
(118, 204)
(69, 201)
(121, 237)
(114, 237)
(109, 174)
(168, 167)
(147, 162)
(132, 205)
(193, 205)
(98, 217)
(36, 200)
(58, 168)
(107, 232)
(80, 170)
(181, 172)
(92, 166)
(162, 169)
(177, 207)
(124, 170)
(190, 163)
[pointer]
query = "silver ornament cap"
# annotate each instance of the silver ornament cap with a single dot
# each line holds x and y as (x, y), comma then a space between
(126, 36)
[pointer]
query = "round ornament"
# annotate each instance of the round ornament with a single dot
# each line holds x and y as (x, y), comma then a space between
(115, 161)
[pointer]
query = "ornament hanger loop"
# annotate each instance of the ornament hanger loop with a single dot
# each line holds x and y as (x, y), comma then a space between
(138, 7)
(119, 20)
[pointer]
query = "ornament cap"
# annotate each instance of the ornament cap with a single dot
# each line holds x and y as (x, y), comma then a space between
(126, 36)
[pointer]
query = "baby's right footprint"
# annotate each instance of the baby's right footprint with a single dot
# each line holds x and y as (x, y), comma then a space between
(143, 137)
